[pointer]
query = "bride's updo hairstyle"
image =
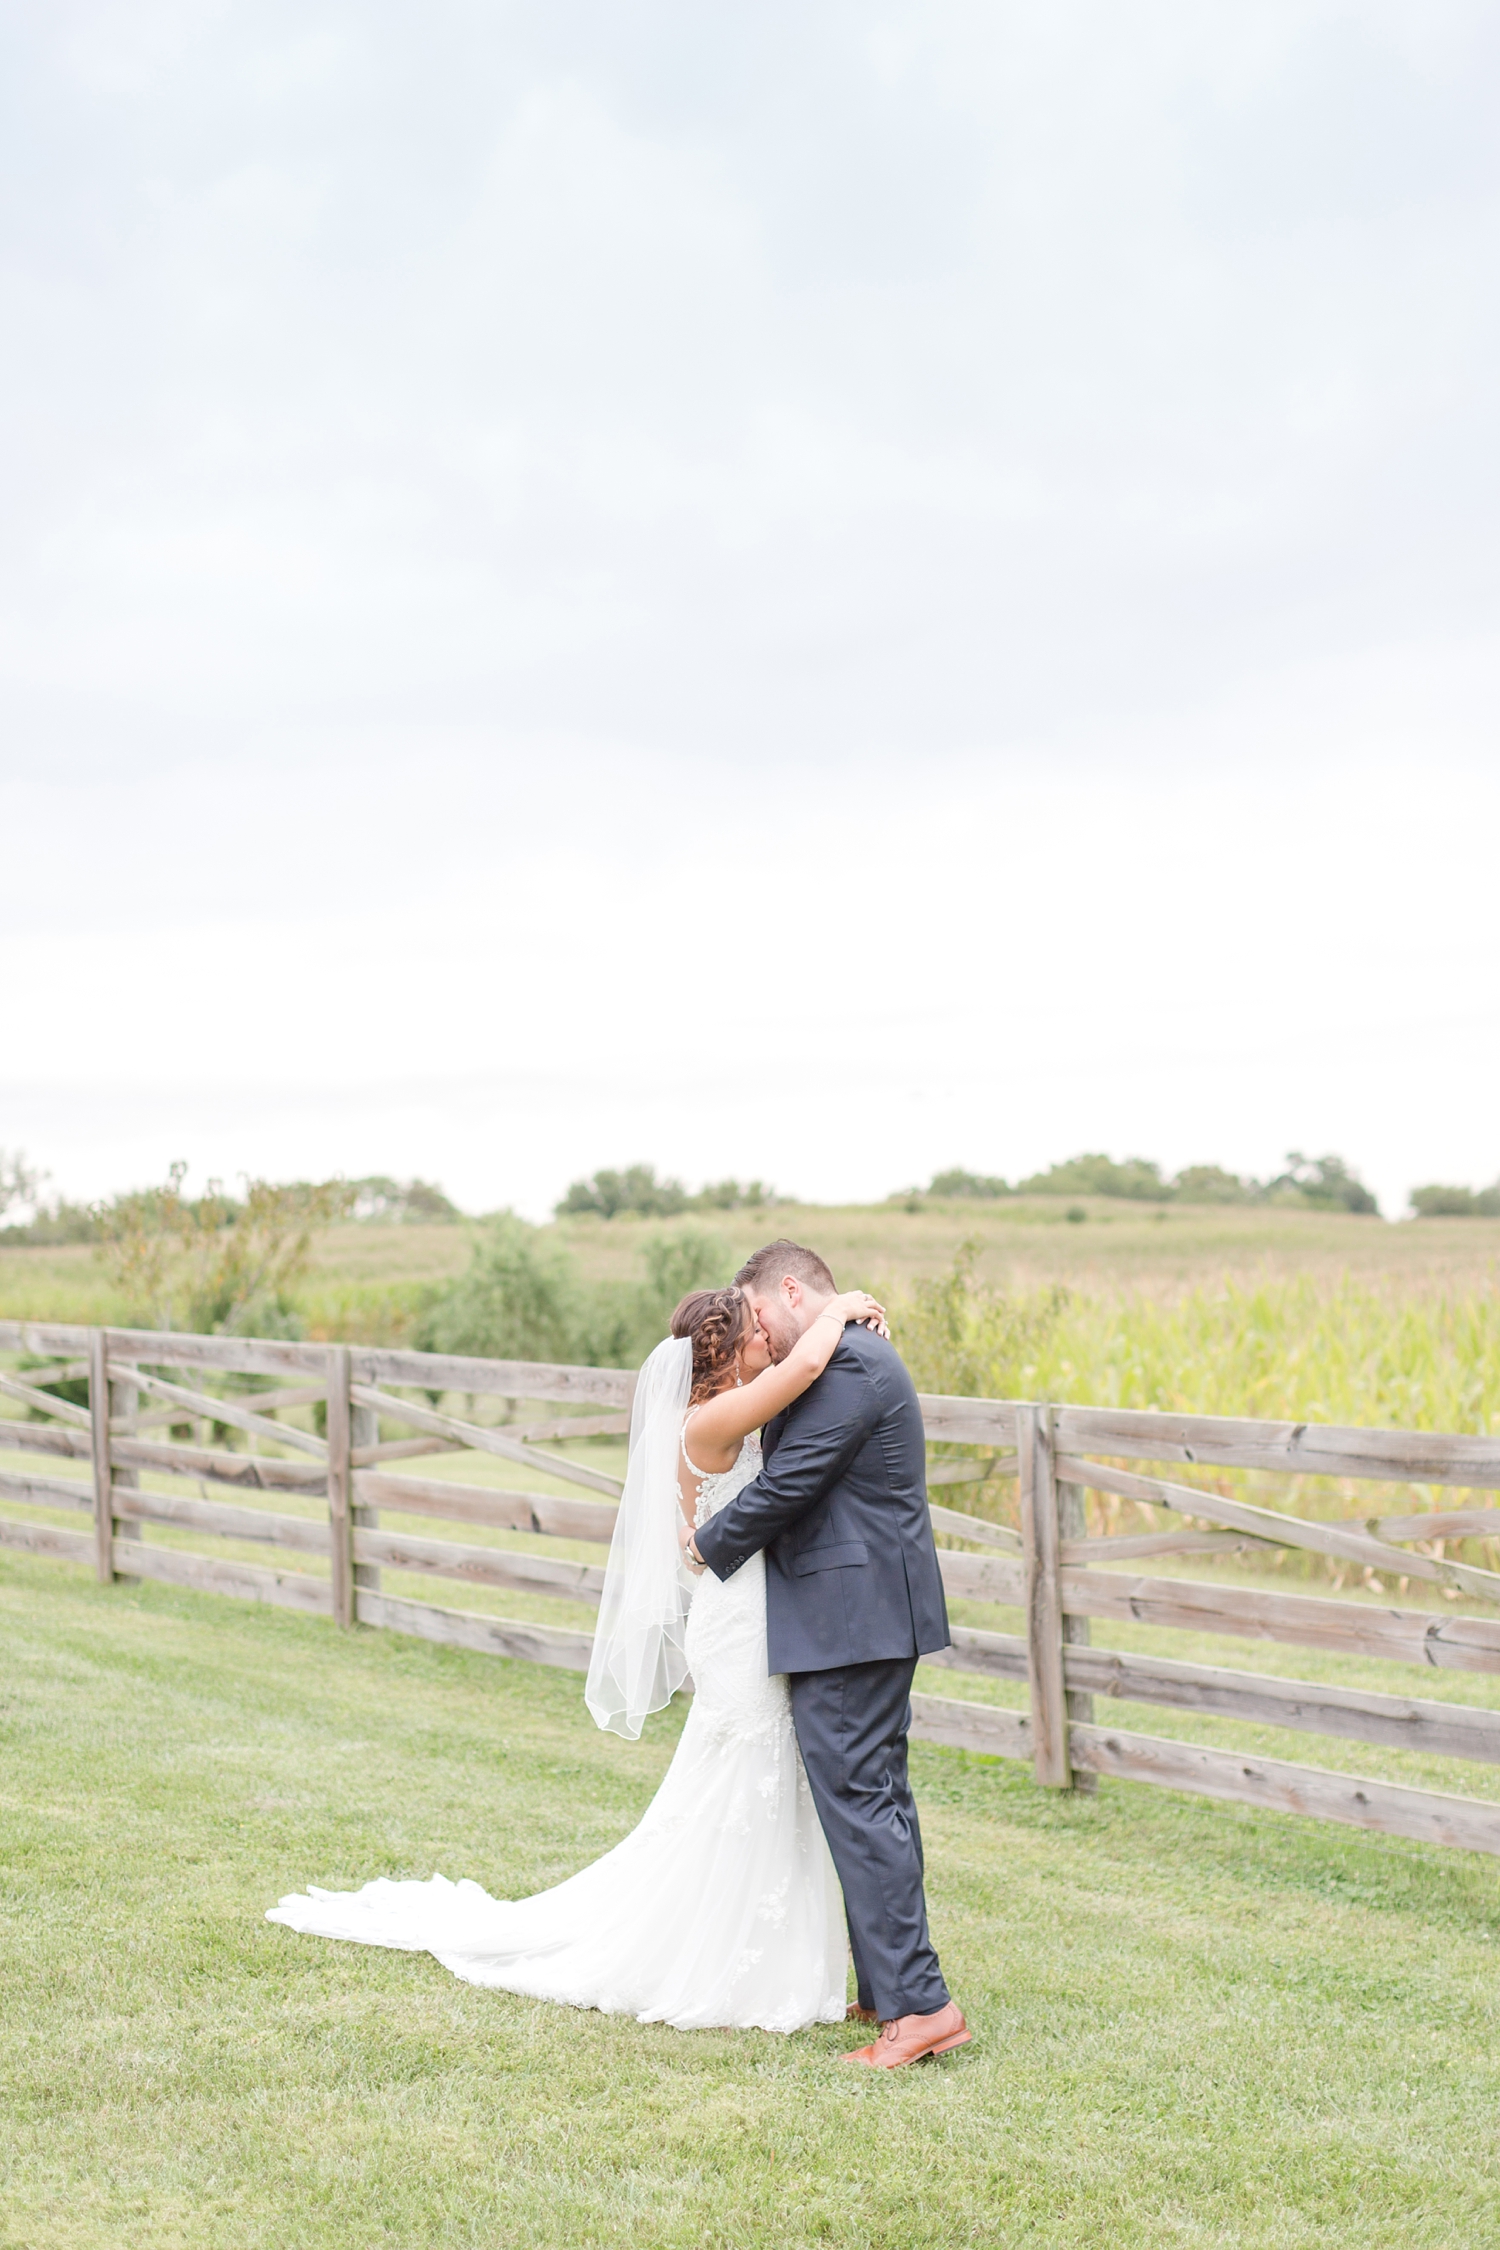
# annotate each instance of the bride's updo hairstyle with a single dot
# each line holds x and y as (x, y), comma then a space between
(718, 1321)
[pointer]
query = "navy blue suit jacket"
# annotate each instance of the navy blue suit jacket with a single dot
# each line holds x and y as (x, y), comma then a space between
(840, 1508)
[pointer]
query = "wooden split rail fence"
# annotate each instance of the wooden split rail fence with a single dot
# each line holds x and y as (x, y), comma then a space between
(1049, 1568)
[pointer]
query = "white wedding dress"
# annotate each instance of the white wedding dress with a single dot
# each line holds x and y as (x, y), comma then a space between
(721, 1908)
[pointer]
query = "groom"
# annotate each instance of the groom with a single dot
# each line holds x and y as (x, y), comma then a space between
(853, 1598)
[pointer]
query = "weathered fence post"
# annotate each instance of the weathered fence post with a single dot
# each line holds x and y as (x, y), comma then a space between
(1044, 1638)
(1072, 1523)
(104, 1510)
(340, 1475)
(124, 1399)
(364, 1429)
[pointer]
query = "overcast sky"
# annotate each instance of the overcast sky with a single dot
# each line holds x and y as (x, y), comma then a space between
(812, 590)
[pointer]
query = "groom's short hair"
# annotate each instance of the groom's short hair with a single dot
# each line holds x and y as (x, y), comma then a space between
(767, 1266)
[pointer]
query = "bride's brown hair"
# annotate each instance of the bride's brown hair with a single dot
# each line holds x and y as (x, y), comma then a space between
(718, 1321)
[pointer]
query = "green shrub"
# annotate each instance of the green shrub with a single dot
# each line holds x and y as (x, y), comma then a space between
(676, 1263)
(1323, 1183)
(1210, 1183)
(957, 1181)
(518, 1299)
(1456, 1202)
(620, 1322)
(521, 1298)
(380, 1201)
(636, 1189)
(1137, 1179)
(732, 1195)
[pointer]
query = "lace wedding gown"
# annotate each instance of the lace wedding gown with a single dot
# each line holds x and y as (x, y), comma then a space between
(721, 1908)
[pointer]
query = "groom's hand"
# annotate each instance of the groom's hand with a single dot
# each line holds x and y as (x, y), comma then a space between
(689, 1545)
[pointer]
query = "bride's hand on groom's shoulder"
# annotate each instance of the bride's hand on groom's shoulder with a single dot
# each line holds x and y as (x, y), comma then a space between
(858, 1306)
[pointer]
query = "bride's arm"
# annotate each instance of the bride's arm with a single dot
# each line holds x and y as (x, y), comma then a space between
(719, 1425)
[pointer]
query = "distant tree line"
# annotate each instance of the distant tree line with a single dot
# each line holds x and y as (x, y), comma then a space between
(222, 1264)
(216, 1263)
(379, 1201)
(637, 1191)
(375, 1200)
(1323, 1183)
(1456, 1202)
(22, 1188)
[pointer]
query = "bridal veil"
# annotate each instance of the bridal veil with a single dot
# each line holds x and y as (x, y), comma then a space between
(639, 1658)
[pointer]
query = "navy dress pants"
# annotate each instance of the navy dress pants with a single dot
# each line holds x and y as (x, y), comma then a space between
(851, 1729)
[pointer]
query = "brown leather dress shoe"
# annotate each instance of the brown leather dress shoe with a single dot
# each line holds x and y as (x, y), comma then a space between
(854, 2013)
(907, 2039)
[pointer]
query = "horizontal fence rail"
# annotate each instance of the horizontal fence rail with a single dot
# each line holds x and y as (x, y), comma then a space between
(151, 1411)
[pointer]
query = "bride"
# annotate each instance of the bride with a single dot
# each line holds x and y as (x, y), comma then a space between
(722, 1907)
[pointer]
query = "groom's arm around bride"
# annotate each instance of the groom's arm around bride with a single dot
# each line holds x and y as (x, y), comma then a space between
(853, 1598)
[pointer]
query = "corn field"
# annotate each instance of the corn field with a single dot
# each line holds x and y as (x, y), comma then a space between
(1298, 1349)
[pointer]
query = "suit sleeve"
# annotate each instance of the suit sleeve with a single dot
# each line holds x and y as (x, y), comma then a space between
(823, 1433)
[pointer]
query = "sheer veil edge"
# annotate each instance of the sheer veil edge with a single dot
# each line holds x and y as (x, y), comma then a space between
(639, 1657)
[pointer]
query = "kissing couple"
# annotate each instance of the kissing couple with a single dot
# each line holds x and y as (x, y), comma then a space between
(795, 1582)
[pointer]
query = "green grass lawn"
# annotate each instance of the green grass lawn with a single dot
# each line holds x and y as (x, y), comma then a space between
(1196, 2025)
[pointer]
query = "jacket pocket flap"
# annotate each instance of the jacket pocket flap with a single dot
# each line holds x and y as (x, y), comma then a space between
(829, 1558)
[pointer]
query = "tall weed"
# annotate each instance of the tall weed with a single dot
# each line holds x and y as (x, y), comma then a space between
(960, 1336)
(212, 1264)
